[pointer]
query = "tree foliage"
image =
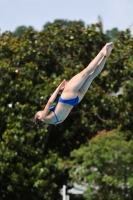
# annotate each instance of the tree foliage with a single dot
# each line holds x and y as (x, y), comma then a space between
(64, 23)
(33, 162)
(19, 31)
(104, 166)
(112, 35)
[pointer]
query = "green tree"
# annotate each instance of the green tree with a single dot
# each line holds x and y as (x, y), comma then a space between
(112, 35)
(104, 166)
(33, 162)
(19, 31)
(64, 23)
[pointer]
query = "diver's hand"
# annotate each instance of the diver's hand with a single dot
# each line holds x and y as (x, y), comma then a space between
(62, 85)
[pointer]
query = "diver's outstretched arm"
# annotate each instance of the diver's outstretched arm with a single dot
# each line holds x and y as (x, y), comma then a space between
(52, 98)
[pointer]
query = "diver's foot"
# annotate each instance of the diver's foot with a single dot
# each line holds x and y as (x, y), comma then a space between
(107, 49)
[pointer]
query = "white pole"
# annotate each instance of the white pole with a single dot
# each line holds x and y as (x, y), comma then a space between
(68, 198)
(64, 192)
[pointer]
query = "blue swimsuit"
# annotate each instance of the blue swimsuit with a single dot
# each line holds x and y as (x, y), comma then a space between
(72, 102)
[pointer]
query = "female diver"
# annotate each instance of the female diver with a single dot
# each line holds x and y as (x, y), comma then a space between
(73, 91)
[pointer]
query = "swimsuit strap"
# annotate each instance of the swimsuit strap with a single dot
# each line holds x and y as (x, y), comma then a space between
(56, 117)
(53, 110)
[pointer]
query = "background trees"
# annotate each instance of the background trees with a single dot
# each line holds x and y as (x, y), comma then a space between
(21, 30)
(104, 166)
(35, 163)
(64, 23)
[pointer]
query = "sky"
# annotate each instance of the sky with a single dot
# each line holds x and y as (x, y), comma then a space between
(36, 13)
